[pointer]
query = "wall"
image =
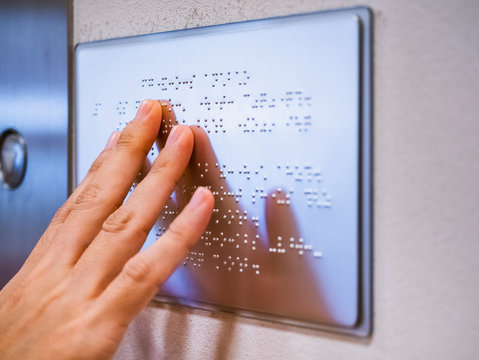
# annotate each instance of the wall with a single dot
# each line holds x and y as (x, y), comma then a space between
(426, 271)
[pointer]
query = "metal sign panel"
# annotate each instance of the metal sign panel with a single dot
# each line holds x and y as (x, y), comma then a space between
(284, 105)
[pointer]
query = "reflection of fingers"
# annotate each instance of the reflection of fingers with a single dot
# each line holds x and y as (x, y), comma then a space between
(280, 221)
(124, 232)
(169, 121)
(293, 275)
(110, 183)
(139, 279)
(203, 151)
(203, 168)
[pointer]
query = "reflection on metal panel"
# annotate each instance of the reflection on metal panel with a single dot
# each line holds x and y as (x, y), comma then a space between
(280, 111)
(33, 101)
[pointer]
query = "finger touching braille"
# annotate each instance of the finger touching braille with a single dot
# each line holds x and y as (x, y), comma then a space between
(125, 231)
(109, 185)
(144, 273)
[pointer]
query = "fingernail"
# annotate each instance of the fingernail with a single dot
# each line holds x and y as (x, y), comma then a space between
(174, 135)
(199, 197)
(112, 140)
(144, 109)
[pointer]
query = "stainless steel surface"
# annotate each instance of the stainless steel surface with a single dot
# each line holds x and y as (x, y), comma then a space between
(285, 148)
(34, 101)
(13, 158)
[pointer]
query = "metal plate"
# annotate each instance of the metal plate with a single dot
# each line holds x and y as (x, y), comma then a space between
(284, 105)
(33, 101)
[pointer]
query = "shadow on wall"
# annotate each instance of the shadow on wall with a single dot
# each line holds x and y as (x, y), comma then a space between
(145, 339)
(167, 331)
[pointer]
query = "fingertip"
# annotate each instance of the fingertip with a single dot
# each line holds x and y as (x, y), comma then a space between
(202, 199)
(148, 118)
(182, 138)
(144, 109)
(148, 108)
(186, 132)
(156, 109)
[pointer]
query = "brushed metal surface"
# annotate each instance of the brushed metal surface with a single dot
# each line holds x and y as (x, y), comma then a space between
(250, 151)
(13, 158)
(34, 101)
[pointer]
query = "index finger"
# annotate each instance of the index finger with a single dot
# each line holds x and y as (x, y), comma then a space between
(111, 182)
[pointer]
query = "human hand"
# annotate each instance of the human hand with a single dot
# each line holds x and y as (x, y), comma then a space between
(85, 280)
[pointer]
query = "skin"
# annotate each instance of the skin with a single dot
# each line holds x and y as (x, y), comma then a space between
(85, 280)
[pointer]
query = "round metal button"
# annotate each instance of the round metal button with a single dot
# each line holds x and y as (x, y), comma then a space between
(13, 158)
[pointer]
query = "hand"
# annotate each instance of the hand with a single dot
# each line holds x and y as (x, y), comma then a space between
(85, 280)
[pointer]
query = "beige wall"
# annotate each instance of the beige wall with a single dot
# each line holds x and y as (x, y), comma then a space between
(426, 251)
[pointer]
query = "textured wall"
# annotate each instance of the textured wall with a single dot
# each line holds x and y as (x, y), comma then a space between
(426, 279)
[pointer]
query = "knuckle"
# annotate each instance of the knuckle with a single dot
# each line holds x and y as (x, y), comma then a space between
(89, 196)
(164, 166)
(137, 269)
(126, 139)
(178, 233)
(118, 221)
(97, 163)
(60, 216)
(129, 142)
(161, 164)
